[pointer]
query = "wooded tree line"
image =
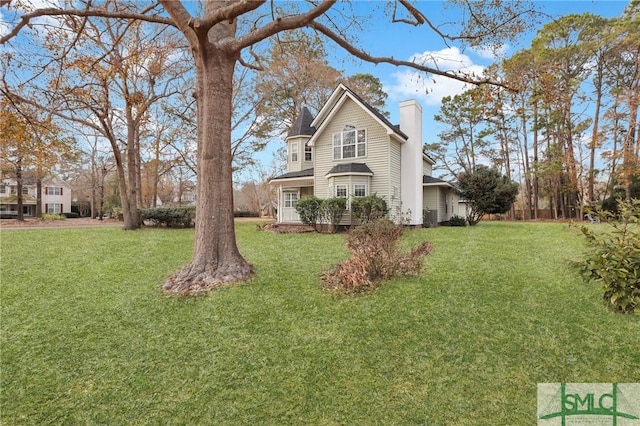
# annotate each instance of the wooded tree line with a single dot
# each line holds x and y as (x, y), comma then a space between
(568, 130)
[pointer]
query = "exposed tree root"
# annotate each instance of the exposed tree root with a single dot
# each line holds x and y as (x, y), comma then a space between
(194, 280)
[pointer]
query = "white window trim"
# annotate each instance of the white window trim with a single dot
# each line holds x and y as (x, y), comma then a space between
(341, 135)
(294, 152)
(290, 201)
(346, 190)
(364, 185)
(54, 208)
(308, 151)
(53, 190)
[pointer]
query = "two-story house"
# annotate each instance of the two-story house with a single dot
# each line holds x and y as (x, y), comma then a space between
(56, 197)
(351, 150)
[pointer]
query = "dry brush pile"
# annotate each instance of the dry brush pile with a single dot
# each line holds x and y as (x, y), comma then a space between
(376, 256)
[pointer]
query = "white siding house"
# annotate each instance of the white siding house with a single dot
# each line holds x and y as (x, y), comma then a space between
(56, 197)
(349, 150)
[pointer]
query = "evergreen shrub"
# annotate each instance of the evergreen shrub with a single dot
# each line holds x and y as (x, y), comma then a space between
(369, 208)
(614, 259)
(170, 217)
(457, 221)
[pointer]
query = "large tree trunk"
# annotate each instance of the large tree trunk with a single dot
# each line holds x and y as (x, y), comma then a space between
(19, 190)
(216, 259)
(526, 165)
(130, 222)
(595, 137)
(629, 160)
(131, 215)
(39, 197)
(536, 170)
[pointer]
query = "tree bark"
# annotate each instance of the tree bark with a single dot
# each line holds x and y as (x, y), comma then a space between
(216, 260)
(39, 197)
(131, 196)
(595, 136)
(629, 158)
(536, 166)
(19, 190)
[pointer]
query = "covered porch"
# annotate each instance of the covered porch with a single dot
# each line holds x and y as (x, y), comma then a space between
(290, 187)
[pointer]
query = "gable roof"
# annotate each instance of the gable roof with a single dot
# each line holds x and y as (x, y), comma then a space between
(302, 125)
(337, 99)
(350, 169)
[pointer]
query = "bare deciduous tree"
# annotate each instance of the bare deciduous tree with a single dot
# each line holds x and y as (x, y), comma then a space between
(218, 47)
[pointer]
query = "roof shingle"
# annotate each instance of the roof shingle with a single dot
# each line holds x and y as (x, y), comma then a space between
(350, 168)
(302, 125)
(298, 174)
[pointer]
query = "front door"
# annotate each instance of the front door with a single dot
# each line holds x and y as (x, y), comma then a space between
(290, 200)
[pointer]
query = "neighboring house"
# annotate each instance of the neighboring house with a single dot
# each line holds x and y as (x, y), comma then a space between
(186, 194)
(56, 197)
(351, 150)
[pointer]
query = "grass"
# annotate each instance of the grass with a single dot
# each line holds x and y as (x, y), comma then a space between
(88, 338)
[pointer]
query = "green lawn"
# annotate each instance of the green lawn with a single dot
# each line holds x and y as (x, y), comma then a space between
(88, 338)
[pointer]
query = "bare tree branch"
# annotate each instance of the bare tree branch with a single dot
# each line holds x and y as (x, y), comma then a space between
(27, 17)
(359, 53)
(179, 14)
(227, 13)
(282, 24)
(418, 16)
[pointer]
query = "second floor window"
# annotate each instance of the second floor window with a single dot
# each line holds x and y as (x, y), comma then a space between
(52, 190)
(294, 152)
(350, 143)
(307, 153)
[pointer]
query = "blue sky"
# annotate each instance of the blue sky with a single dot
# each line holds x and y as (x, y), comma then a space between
(381, 38)
(399, 82)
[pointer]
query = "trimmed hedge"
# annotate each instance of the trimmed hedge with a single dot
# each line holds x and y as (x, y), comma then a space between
(179, 217)
(243, 213)
(333, 210)
(457, 221)
(309, 208)
(171, 217)
(369, 208)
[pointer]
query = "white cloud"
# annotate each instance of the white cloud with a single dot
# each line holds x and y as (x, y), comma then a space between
(4, 25)
(429, 89)
(31, 5)
(9, 16)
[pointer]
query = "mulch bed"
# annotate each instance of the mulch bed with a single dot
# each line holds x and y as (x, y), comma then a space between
(283, 228)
